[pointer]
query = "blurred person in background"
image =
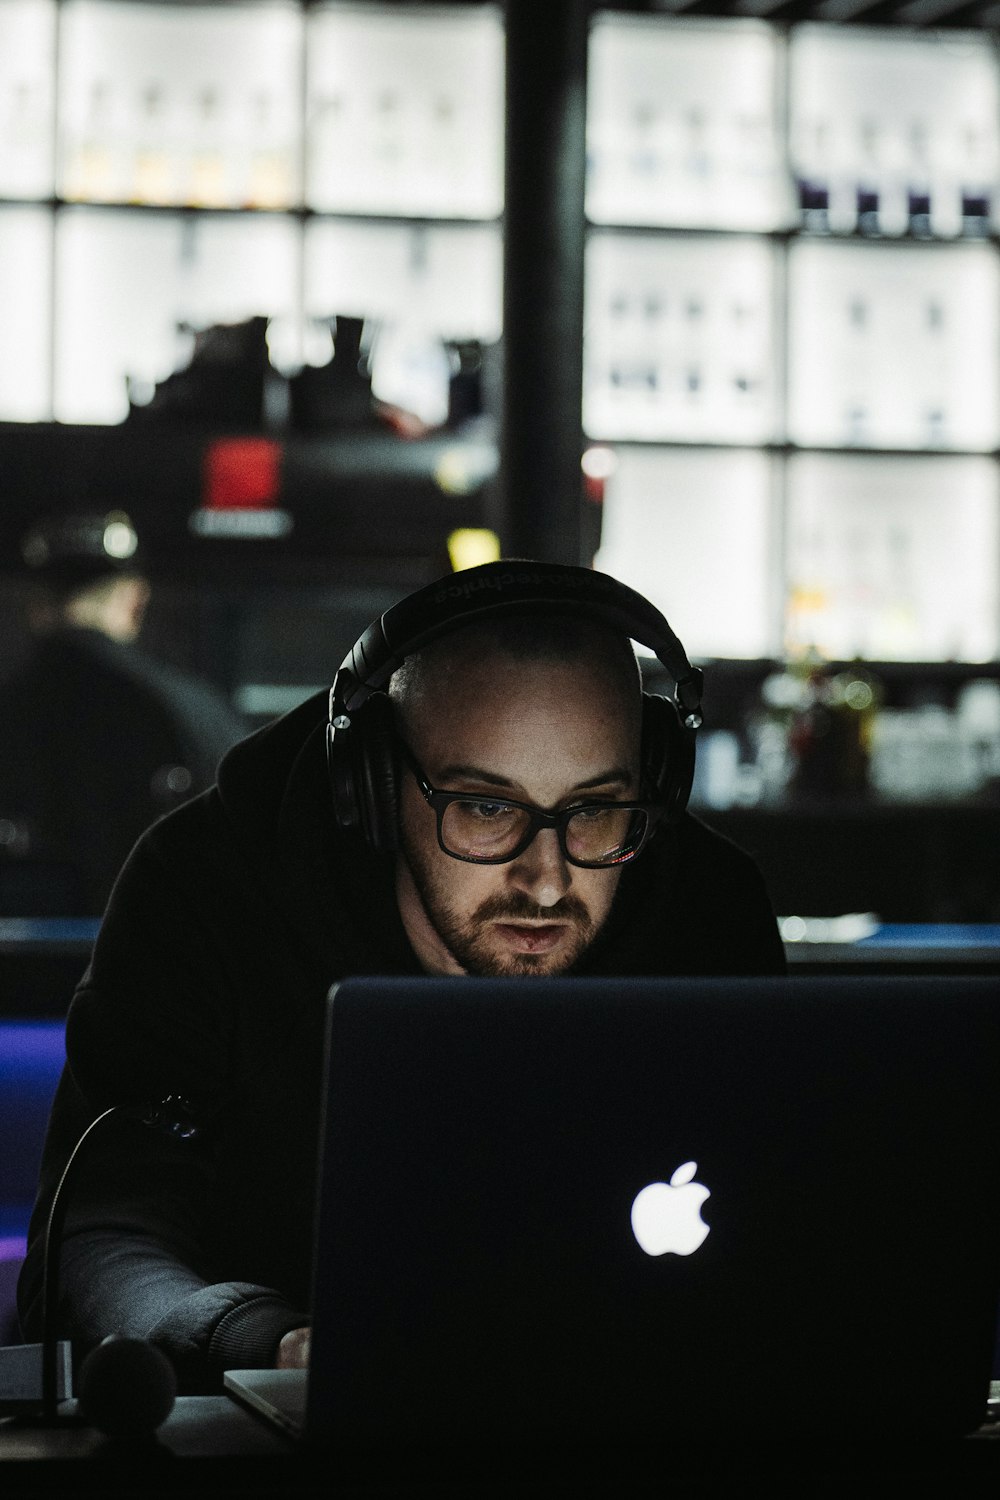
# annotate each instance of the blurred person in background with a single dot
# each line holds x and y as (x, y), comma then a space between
(99, 739)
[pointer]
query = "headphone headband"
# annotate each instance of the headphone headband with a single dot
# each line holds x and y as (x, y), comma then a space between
(497, 588)
(360, 743)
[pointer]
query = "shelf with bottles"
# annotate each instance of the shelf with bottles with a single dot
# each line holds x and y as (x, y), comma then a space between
(156, 105)
(681, 339)
(280, 106)
(747, 125)
(851, 300)
(28, 49)
(752, 554)
(795, 320)
(895, 132)
(132, 288)
(727, 124)
(684, 125)
(166, 169)
(810, 733)
(816, 344)
(895, 349)
(823, 732)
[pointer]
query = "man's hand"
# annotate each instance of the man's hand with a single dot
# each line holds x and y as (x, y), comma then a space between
(293, 1351)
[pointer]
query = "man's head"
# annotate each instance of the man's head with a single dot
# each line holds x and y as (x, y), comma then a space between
(538, 709)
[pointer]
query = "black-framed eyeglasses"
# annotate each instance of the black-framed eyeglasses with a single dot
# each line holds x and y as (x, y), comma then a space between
(493, 830)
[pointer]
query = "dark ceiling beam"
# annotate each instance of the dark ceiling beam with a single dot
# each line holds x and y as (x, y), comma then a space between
(944, 13)
(846, 12)
(767, 10)
(970, 14)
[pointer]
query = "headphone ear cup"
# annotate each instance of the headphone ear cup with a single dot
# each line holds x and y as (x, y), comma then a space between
(378, 779)
(361, 760)
(667, 755)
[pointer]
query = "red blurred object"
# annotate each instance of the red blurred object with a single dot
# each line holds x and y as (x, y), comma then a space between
(242, 473)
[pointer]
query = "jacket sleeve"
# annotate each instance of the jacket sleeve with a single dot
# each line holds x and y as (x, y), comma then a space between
(152, 1016)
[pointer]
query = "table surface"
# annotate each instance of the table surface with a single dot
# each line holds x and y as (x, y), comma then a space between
(211, 1445)
(916, 946)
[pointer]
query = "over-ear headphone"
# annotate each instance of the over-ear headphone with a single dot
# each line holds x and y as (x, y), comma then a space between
(361, 752)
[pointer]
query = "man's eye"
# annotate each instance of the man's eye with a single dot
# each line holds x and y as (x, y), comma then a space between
(488, 811)
(481, 812)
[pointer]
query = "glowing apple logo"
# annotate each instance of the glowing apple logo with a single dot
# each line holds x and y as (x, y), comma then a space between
(666, 1216)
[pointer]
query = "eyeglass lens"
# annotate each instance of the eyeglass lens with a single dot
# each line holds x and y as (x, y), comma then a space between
(493, 830)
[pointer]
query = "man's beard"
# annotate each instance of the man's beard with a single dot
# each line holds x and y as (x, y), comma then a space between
(467, 940)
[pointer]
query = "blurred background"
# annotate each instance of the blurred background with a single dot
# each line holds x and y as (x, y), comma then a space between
(303, 304)
(323, 295)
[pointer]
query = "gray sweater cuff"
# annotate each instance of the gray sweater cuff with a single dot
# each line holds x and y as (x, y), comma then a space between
(227, 1326)
(247, 1337)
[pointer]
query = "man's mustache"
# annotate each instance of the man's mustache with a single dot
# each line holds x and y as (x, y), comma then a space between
(520, 908)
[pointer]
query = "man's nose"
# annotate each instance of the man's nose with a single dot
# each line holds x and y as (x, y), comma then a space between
(541, 871)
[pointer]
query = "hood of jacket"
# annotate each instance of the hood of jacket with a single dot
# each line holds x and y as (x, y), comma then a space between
(335, 891)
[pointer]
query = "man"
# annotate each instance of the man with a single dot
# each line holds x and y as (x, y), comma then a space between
(99, 738)
(511, 804)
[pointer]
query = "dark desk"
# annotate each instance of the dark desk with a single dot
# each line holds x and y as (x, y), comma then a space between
(210, 1446)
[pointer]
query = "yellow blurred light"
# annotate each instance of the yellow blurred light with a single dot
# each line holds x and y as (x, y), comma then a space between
(469, 546)
(454, 473)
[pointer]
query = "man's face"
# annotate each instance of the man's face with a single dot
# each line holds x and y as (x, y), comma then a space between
(548, 733)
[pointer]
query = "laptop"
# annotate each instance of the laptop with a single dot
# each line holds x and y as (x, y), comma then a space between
(576, 1220)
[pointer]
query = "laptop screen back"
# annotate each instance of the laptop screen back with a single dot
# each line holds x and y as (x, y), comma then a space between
(590, 1214)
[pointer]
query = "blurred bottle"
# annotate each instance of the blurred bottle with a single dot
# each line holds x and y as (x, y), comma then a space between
(830, 736)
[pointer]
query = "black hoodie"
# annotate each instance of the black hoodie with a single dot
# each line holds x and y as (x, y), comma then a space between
(226, 928)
